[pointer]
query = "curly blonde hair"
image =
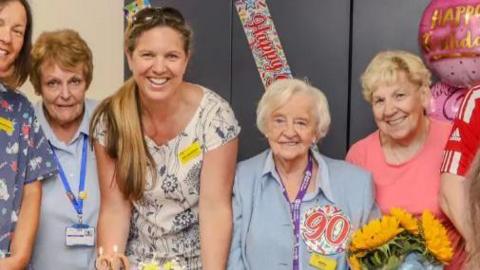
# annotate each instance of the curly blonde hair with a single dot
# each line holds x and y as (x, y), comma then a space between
(384, 69)
(63, 47)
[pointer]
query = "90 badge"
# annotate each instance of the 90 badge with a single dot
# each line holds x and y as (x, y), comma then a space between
(325, 229)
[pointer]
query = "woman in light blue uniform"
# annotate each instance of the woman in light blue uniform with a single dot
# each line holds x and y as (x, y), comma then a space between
(293, 207)
(61, 74)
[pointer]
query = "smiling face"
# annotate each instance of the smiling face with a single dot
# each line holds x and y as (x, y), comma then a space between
(291, 129)
(398, 108)
(63, 94)
(158, 63)
(13, 23)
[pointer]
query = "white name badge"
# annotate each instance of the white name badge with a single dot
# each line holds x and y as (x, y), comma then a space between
(80, 235)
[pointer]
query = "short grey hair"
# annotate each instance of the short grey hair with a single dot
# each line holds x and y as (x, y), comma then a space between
(281, 91)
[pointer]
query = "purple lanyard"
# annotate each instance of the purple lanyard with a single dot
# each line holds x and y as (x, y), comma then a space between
(295, 208)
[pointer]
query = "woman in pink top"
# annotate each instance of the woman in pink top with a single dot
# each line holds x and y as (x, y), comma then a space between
(405, 153)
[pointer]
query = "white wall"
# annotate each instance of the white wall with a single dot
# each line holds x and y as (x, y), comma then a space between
(100, 23)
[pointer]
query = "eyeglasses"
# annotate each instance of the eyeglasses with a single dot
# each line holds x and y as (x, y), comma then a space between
(153, 15)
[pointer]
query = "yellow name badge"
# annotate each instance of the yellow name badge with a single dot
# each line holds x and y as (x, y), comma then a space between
(189, 153)
(322, 262)
(6, 125)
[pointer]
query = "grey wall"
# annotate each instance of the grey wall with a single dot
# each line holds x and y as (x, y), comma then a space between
(315, 37)
(329, 42)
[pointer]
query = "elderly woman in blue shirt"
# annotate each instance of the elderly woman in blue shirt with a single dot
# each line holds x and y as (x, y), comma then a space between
(293, 207)
(61, 74)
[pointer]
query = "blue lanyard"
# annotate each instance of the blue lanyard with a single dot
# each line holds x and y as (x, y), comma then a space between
(77, 202)
(295, 209)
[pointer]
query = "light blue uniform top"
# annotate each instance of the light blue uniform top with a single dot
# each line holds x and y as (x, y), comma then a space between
(57, 211)
(263, 231)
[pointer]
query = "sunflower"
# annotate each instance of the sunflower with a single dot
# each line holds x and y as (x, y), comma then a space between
(376, 233)
(354, 263)
(436, 238)
(406, 219)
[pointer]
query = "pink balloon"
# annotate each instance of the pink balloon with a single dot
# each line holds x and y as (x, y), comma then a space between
(445, 101)
(449, 36)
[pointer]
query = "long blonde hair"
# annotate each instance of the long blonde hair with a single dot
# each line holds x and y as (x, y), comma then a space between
(474, 217)
(124, 141)
(121, 113)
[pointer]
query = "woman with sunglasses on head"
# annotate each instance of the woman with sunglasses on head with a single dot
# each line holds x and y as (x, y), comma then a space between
(26, 155)
(166, 152)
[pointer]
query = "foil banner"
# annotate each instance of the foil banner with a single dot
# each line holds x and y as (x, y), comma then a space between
(263, 40)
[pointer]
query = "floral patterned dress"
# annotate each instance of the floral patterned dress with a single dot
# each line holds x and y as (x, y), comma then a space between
(164, 223)
(26, 157)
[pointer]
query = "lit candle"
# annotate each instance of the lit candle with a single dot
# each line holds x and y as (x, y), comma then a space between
(102, 262)
(119, 259)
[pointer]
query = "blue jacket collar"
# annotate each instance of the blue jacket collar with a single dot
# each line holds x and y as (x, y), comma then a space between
(322, 180)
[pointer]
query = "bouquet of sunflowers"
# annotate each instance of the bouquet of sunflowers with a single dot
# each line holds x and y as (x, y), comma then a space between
(385, 243)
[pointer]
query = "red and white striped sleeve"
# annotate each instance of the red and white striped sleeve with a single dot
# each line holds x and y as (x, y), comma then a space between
(464, 138)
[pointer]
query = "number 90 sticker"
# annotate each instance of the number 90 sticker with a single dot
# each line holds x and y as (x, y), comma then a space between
(325, 229)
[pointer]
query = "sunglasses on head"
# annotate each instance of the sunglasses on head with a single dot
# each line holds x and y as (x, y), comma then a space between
(154, 14)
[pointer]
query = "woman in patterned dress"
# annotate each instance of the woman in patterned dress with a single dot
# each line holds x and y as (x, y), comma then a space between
(160, 140)
(26, 155)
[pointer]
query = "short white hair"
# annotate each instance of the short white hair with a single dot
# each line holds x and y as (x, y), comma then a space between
(281, 91)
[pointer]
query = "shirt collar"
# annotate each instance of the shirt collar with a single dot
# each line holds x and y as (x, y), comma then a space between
(323, 181)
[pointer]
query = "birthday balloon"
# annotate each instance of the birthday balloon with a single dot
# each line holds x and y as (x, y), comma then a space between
(445, 101)
(449, 36)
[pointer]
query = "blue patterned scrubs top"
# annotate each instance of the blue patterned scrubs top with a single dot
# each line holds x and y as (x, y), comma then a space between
(25, 157)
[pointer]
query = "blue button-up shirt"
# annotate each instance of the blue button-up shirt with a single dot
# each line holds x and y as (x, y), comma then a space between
(57, 211)
(263, 231)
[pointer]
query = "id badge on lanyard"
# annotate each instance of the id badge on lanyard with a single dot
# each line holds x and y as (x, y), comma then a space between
(78, 234)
